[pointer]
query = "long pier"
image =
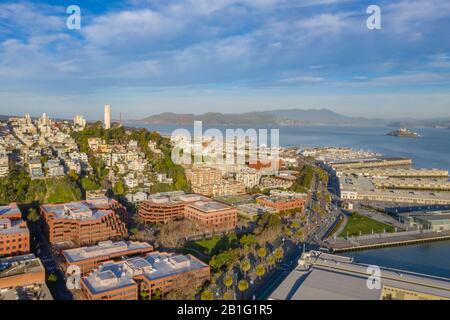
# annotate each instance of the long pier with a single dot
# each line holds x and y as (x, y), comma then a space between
(383, 240)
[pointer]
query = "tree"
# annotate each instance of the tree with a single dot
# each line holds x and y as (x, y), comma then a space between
(279, 253)
(245, 266)
(119, 188)
(134, 231)
(299, 234)
(262, 252)
(228, 281)
(73, 175)
(243, 285)
(247, 240)
(88, 184)
(32, 216)
(144, 295)
(260, 270)
(271, 261)
(52, 278)
(228, 296)
(185, 287)
(207, 295)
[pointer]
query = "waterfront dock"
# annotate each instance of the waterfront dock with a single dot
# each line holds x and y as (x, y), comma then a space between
(385, 240)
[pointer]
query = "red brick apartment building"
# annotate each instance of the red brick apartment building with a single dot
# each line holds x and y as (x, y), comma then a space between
(89, 258)
(213, 215)
(165, 207)
(281, 203)
(83, 222)
(153, 272)
(21, 271)
(14, 233)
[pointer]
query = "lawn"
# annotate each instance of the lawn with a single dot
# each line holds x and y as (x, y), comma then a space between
(215, 245)
(358, 224)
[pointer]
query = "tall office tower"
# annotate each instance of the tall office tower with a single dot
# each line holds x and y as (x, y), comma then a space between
(107, 120)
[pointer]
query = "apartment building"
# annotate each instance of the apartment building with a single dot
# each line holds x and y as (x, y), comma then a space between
(282, 202)
(156, 271)
(212, 215)
(249, 177)
(4, 164)
(204, 176)
(23, 277)
(83, 222)
(89, 258)
(14, 233)
(168, 206)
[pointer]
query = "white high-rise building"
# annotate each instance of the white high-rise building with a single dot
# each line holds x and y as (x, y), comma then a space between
(107, 117)
(79, 121)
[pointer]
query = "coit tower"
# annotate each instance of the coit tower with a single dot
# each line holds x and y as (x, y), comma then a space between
(107, 117)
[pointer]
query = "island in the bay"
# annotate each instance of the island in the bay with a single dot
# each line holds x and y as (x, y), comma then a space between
(405, 133)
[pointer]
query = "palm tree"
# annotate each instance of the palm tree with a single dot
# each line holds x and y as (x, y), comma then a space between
(228, 281)
(260, 270)
(228, 296)
(262, 252)
(207, 295)
(279, 253)
(245, 266)
(271, 261)
(243, 285)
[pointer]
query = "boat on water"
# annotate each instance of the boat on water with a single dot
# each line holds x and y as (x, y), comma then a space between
(403, 132)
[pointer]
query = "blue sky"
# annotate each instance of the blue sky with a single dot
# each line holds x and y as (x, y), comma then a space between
(149, 56)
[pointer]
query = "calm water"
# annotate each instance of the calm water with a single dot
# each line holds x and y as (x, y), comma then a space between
(431, 258)
(430, 151)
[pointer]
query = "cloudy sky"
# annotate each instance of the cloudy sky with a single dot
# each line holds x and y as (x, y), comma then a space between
(149, 56)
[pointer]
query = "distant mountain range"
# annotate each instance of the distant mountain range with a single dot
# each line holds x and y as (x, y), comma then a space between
(285, 117)
(273, 117)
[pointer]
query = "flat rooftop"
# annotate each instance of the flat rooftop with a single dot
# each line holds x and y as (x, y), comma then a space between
(368, 160)
(210, 206)
(365, 186)
(331, 277)
(75, 210)
(14, 226)
(12, 266)
(106, 248)
(153, 266)
(11, 209)
(37, 292)
(175, 198)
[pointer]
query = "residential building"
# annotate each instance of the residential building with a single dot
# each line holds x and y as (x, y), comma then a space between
(83, 222)
(35, 168)
(14, 233)
(249, 177)
(135, 198)
(213, 215)
(151, 273)
(203, 176)
(4, 164)
(89, 258)
(23, 278)
(166, 207)
(79, 122)
(283, 201)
